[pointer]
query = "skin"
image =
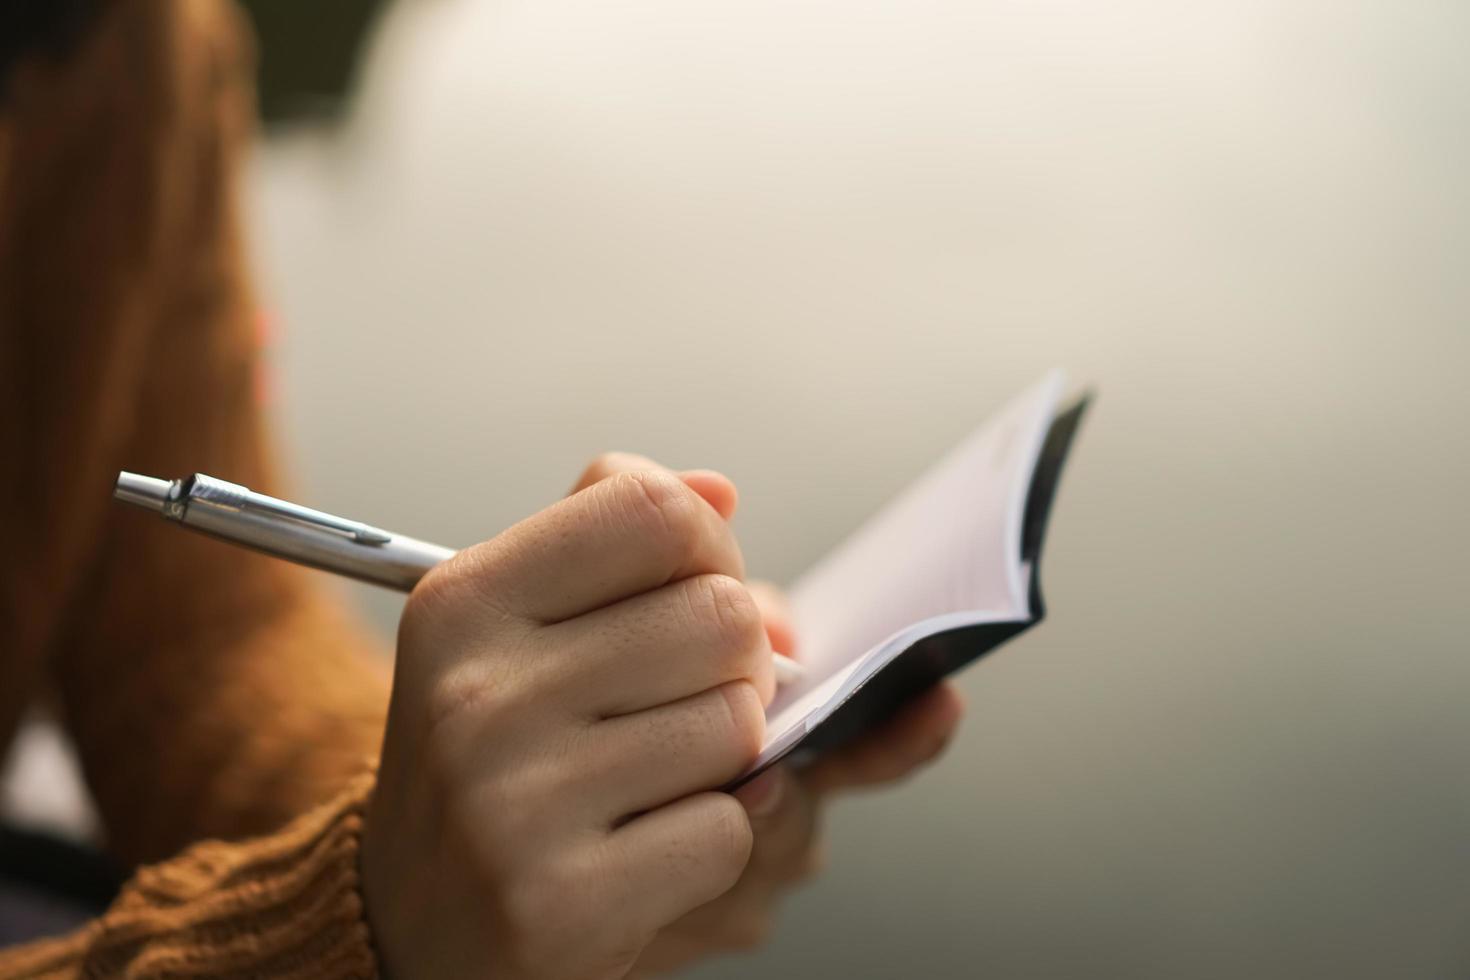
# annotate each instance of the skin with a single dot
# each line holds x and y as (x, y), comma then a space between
(566, 697)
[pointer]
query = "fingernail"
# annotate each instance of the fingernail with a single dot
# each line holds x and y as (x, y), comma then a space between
(762, 795)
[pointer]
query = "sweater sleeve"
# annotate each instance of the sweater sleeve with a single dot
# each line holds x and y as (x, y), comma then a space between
(281, 907)
(213, 695)
(211, 692)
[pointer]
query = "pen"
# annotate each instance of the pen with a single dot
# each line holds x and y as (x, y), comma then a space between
(299, 534)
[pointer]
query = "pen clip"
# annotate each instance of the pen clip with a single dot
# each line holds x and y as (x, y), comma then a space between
(222, 493)
(355, 530)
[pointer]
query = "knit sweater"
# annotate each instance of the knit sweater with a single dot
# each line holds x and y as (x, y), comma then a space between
(213, 695)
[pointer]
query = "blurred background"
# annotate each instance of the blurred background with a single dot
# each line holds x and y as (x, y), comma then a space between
(812, 244)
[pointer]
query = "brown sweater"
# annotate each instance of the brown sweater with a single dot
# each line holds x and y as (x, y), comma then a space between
(213, 695)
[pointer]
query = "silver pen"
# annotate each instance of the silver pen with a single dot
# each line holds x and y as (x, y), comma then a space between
(237, 514)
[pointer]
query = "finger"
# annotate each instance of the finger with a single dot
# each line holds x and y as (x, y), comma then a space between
(620, 537)
(784, 821)
(661, 646)
(762, 796)
(611, 464)
(913, 737)
(674, 859)
(715, 488)
(776, 614)
(642, 761)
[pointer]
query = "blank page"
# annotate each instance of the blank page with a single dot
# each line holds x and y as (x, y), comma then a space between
(944, 553)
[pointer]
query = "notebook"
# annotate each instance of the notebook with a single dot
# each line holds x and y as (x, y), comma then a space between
(940, 576)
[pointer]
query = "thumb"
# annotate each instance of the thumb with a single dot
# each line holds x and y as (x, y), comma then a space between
(716, 488)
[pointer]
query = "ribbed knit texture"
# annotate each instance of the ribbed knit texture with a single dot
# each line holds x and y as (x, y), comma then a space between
(212, 694)
(287, 906)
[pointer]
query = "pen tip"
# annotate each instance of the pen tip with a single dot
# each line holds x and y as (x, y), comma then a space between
(148, 492)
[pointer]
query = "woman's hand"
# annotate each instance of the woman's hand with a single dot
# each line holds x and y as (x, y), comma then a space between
(565, 697)
(784, 807)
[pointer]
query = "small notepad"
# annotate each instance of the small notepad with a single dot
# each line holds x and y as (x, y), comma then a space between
(940, 576)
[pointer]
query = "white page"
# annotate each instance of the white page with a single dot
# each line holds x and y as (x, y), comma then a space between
(945, 553)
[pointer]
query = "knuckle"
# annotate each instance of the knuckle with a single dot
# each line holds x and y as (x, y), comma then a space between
(430, 598)
(724, 605)
(746, 716)
(661, 506)
(731, 837)
(464, 585)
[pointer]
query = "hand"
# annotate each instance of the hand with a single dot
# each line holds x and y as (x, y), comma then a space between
(784, 807)
(565, 697)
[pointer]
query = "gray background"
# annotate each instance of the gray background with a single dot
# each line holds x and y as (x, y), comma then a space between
(812, 243)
